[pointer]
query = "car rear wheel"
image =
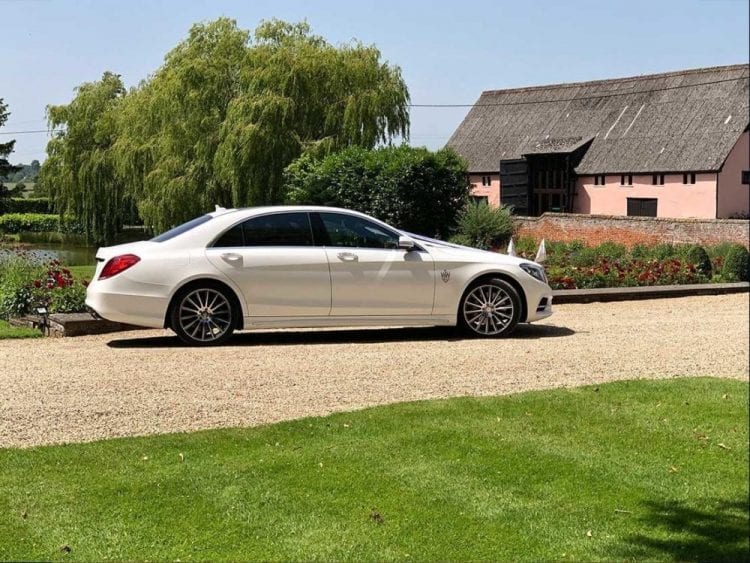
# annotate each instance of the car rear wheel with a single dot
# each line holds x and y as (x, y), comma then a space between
(203, 316)
(490, 308)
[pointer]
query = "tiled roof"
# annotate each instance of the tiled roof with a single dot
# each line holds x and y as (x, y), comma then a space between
(687, 120)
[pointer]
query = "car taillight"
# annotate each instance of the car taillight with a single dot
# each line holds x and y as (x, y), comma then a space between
(118, 264)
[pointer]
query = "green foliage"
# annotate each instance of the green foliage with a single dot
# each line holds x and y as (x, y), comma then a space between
(17, 270)
(79, 173)
(698, 257)
(485, 227)
(37, 223)
(25, 205)
(736, 264)
(539, 476)
(217, 123)
(415, 189)
(6, 168)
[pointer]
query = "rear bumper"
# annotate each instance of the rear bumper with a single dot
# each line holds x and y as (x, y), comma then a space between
(139, 310)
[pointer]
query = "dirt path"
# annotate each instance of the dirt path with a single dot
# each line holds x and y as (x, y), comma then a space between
(145, 382)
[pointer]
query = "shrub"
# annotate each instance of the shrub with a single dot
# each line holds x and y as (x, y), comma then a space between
(611, 250)
(27, 205)
(485, 227)
(37, 223)
(736, 264)
(698, 257)
(411, 188)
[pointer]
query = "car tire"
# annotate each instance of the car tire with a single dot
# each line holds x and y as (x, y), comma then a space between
(203, 315)
(489, 308)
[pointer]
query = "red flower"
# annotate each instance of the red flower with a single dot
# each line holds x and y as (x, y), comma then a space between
(37, 283)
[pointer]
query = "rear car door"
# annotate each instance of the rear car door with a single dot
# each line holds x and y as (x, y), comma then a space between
(273, 260)
(370, 274)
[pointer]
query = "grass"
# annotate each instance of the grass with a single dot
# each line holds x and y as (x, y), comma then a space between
(82, 272)
(8, 331)
(628, 470)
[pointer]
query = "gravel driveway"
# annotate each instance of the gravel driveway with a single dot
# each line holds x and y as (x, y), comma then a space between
(145, 382)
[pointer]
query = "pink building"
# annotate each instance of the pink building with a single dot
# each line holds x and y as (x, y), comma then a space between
(663, 145)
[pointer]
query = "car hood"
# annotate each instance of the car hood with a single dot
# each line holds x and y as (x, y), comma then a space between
(459, 252)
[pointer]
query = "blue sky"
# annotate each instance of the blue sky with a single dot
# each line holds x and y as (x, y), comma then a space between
(449, 51)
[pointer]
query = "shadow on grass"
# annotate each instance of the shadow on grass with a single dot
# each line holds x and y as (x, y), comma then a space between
(717, 532)
(347, 336)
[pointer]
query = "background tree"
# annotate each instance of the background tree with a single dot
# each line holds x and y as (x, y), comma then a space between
(6, 168)
(79, 173)
(218, 122)
(411, 188)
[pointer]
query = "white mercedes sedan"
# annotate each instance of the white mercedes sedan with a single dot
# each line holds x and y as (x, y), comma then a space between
(294, 267)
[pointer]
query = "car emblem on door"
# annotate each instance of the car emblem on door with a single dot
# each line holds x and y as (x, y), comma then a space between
(446, 275)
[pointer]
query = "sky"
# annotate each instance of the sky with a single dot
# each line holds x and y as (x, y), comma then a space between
(449, 52)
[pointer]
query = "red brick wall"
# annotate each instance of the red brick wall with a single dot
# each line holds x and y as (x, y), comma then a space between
(595, 229)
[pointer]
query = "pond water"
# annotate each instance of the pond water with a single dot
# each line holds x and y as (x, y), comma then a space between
(71, 250)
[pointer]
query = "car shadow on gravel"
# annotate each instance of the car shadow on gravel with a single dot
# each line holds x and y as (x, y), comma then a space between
(292, 337)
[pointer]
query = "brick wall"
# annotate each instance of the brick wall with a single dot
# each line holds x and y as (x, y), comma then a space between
(595, 229)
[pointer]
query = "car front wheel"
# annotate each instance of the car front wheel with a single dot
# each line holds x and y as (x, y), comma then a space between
(489, 308)
(203, 316)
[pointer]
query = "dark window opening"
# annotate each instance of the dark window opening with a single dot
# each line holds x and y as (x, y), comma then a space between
(746, 177)
(626, 179)
(357, 232)
(688, 178)
(486, 180)
(278, 229)
(657, 179)
(641, 207)
(480, 199)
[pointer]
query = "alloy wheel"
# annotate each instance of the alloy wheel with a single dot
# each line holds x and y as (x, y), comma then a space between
(205, 315)
(488, 309)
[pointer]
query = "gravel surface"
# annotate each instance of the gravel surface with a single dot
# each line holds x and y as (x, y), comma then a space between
(145, 382)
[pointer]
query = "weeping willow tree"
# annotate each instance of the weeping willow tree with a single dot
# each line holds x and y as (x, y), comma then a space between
(217, 123)
(79, 173)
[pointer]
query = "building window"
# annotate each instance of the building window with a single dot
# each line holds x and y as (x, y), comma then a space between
(626, 179)
(657, 179)
(480, 199)
(746, 177)
(641, 207)
(600, 180)
(688, 178)
(486, 180)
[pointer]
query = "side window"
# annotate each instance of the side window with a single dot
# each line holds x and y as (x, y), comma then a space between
(280, 229)
(355, 232)
(231, 238)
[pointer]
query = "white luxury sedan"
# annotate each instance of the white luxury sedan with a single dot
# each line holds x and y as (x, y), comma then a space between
(284, 267)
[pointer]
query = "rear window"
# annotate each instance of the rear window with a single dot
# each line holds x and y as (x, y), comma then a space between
(185, 227)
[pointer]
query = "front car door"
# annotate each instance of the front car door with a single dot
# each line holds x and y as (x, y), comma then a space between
(370, 274)
(273, 260)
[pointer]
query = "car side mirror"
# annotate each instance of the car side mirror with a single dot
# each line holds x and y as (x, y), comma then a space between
(406, 243)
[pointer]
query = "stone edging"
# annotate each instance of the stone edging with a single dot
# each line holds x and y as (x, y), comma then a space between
(648, 292)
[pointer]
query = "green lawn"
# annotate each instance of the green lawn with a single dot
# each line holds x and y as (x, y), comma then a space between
(82, 272)
(630, 470)
(7, 331)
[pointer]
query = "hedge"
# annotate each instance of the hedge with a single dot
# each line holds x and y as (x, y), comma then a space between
(25, 205)
(37, 223)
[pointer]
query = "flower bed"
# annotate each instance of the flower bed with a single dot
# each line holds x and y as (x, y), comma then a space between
(576, 266)
(26, 282)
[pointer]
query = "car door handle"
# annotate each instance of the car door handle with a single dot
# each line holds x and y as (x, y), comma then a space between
(348, 256)
(231, 257)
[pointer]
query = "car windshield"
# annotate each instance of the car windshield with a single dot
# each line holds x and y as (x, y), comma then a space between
(185, 227)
